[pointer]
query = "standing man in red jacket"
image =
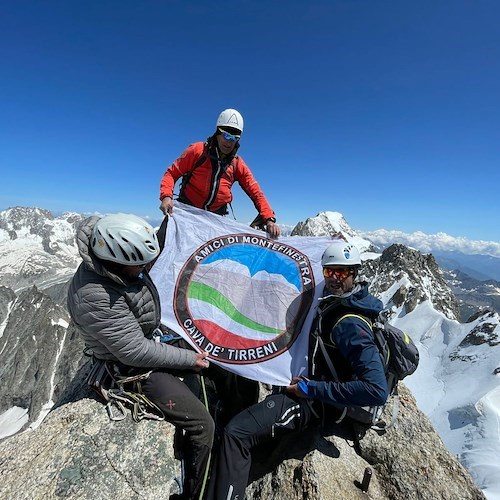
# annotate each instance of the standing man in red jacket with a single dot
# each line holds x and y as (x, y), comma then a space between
(209, 170)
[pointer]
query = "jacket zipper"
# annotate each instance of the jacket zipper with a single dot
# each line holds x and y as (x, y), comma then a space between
(214, 187)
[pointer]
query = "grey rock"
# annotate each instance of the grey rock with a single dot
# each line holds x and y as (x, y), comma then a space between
(36, 362)
(58, 292)
(423, 277)
(7, 297)
(78, 452)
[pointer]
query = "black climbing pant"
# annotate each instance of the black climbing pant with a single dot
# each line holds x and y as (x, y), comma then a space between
(184, 410)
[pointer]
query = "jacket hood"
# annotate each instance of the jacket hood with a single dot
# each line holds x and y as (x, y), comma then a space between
(83, 236)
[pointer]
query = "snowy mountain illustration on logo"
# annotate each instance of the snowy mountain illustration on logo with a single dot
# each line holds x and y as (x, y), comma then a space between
(223, 297)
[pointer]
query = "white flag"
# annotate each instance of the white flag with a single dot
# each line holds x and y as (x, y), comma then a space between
(246, 299)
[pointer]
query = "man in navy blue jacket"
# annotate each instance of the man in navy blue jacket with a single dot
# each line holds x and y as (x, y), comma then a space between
(343, 326)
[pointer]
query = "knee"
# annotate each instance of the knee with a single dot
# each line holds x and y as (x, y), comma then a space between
(201, 429)
(234, 443)
(207, 430)
(233, 432)
(209, 425)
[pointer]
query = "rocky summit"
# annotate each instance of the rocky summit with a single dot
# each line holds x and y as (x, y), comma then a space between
(79, 452)
(404, 278)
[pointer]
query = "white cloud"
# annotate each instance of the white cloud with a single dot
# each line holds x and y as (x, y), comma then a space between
(431, 242)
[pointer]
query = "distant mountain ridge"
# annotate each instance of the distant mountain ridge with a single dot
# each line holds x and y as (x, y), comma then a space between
(471, 277)
(480, 267)
(473, 295)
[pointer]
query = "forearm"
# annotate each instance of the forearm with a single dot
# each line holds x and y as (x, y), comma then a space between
(167, 184)
(353, 393)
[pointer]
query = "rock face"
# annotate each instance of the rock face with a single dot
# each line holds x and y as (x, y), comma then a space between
(79, 453)
(7, 297)
(408, 462)
(404, 277)
(36, 361)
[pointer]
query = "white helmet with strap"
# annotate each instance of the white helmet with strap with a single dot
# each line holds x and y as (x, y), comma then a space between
(341, 253)
(230, 118)
(125, 239)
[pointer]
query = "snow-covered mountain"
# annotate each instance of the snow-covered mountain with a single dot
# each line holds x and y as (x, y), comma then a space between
(458, 387)
(330, 224)
(36, 247)
(458, 381)
(37, 253)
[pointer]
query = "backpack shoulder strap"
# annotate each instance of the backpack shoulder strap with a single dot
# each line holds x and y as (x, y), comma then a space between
(357, 316)
(322, 344)
(200, 161)
(379, 338)
(327, 359)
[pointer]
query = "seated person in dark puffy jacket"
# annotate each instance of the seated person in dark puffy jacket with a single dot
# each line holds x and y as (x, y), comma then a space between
(346, 333)
(115, 307)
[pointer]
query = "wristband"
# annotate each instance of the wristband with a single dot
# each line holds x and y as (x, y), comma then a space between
(302, 385)
(271, 219)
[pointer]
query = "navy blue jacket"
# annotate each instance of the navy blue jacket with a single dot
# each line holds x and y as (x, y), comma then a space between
(365, 384)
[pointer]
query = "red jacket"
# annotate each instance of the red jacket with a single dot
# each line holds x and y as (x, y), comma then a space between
(210, 183)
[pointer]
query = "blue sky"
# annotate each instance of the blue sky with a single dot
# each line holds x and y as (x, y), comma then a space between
(385, 111)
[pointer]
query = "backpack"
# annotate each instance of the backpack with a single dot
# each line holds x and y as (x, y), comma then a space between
(403, 356)
(400, 358)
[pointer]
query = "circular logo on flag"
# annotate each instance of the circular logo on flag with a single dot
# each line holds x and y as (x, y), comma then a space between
(243, 298)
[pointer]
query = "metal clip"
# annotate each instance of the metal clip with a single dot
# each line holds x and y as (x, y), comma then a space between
(120, 408)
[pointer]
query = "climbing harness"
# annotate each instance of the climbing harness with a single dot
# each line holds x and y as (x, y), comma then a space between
(119, 392)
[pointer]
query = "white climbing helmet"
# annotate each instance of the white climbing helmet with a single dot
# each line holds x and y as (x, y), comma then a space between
(230, 118)
(341, 253)
(125, 239)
